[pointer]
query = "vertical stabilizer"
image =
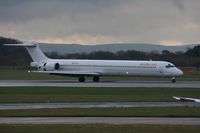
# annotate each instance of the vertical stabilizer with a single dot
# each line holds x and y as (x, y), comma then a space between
(34, 51)
(36, 54)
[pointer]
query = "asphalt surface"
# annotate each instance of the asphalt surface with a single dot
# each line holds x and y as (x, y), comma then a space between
(95, 105)
(74, 83)
(99, 120)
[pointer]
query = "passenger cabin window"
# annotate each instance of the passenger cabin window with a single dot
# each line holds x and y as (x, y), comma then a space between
(169, 66)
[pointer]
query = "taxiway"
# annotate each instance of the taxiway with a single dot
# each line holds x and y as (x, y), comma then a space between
(95, 105)
(99, 120)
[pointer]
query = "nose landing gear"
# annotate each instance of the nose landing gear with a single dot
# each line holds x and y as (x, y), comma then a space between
(173, 80)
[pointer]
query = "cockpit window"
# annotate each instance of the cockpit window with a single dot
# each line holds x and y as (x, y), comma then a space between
(169, 66)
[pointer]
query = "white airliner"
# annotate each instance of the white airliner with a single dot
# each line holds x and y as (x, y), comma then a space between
(97, 68)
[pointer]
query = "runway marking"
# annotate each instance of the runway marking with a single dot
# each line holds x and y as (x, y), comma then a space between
(73, 83)
(99, 120)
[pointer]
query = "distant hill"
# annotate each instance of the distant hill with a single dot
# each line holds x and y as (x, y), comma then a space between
(76, 48)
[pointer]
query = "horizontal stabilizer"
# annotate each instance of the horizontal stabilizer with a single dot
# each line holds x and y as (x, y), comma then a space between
(22, 45)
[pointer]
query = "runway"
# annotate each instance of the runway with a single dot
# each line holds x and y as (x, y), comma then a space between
(95, 105)
(99, 120)
(74, 83)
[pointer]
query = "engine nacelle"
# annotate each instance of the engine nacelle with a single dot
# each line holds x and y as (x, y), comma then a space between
(49, 66)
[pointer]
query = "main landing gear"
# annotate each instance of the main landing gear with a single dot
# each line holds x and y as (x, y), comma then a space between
(82, 79)
(173, 80)
(96, 79)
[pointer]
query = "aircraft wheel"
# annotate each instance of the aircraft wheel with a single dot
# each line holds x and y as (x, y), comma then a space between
(96, 79)
(173, 80)
(81, 79)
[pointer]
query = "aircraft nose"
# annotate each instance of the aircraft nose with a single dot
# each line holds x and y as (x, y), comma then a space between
(179, 72)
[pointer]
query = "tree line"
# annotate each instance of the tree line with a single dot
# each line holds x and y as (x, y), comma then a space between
(18, 57)
(13, 57)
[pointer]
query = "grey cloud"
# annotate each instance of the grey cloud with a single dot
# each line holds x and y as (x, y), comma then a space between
(179, 4)
(22, 10)
(136, 20)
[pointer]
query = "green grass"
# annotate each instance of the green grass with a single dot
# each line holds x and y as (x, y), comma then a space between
(24, 75)
(105, 112)
(63, 94)
(99, 128)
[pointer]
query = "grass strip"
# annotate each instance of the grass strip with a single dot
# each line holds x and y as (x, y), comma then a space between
(107, 112)
(99, 128)
(70, 94)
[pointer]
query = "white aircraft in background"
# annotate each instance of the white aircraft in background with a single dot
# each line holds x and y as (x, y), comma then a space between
(97, 68)
(186, 99)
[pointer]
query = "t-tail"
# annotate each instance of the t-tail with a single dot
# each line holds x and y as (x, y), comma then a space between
(34, 51)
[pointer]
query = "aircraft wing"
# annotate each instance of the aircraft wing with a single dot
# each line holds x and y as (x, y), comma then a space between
(186, 99)
(72, 73)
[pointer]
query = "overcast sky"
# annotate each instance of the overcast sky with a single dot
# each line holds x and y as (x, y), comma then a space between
(168, 22)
